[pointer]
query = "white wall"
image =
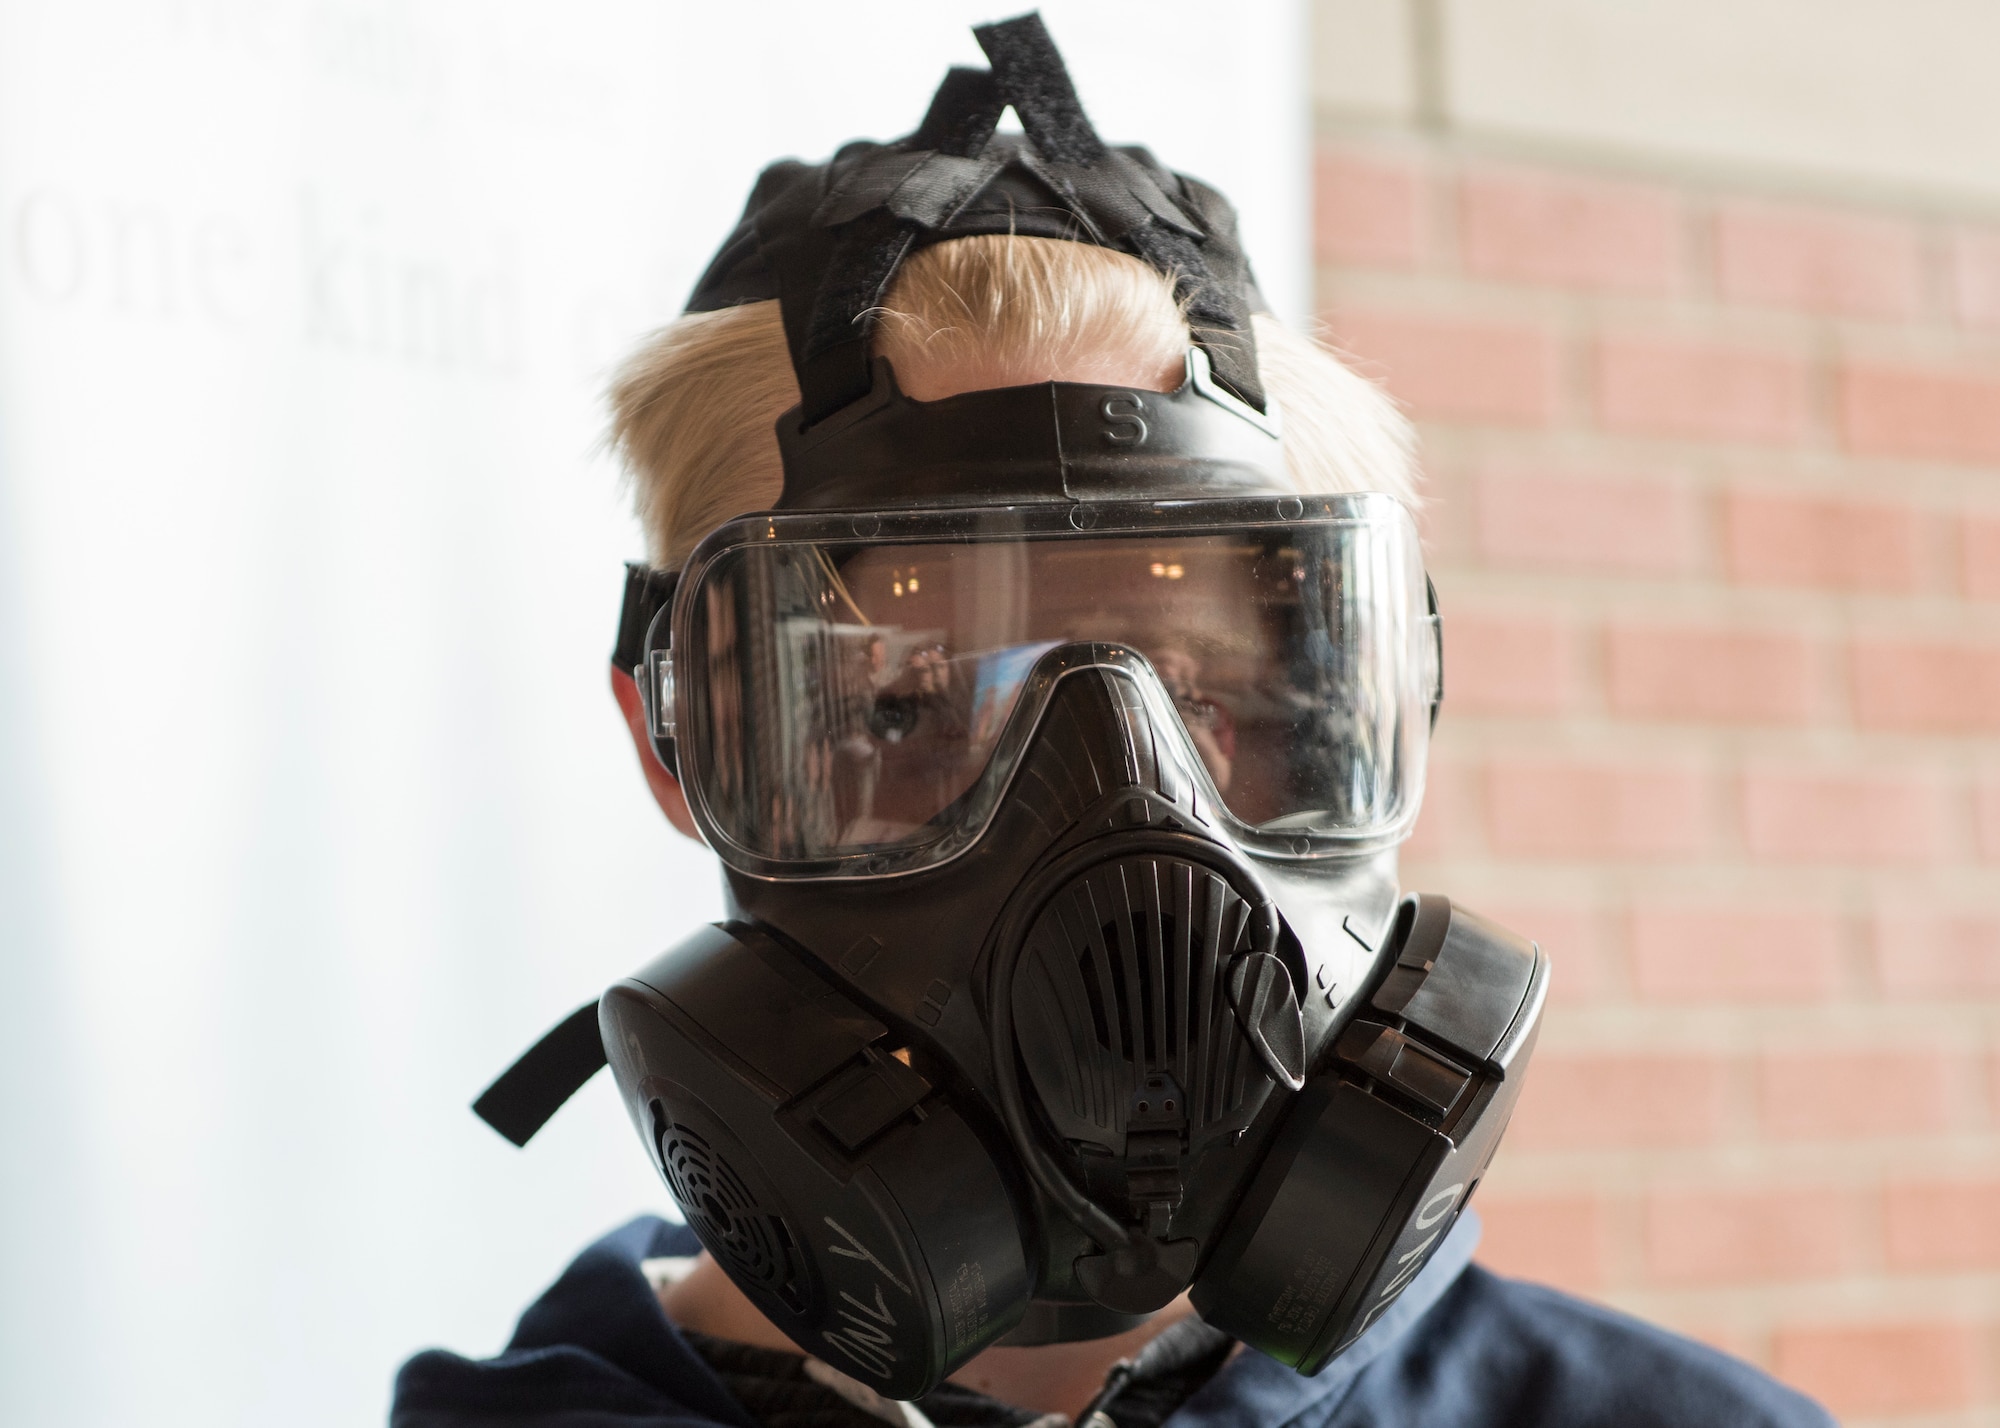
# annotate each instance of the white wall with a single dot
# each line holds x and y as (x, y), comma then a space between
(1842, 94)
(314, 809)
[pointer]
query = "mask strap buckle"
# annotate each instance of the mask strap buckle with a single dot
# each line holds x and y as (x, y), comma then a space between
(656, 689)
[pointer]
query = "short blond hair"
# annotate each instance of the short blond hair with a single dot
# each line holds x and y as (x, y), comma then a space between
(693, 410)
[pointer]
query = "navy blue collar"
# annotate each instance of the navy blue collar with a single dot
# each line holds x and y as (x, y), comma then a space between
(1255, 1389)
(604, 1306)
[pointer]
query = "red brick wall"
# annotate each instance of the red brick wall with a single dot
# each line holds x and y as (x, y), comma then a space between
(1715, 521)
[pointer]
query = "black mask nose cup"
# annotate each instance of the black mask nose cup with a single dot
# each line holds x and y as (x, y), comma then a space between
(1056, 748)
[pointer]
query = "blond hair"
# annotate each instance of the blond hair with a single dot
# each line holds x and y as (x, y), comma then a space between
(693, 409)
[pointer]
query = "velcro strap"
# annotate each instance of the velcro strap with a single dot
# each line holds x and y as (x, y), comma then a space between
(1029, 71)
(535, 1087)
(963, 114)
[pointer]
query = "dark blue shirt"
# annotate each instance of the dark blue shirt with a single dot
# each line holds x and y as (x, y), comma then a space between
(1462, 1348)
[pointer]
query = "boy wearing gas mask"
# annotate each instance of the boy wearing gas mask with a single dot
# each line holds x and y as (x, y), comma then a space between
(1056, 716)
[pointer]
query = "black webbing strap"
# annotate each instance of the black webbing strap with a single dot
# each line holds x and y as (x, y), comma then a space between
(829, 351)
(1437, 646)
(647, 592)
(1029, 70)
(547, 1075)
(833, 369)
(963, 115)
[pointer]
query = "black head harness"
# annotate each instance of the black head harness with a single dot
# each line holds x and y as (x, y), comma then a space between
(826, 239)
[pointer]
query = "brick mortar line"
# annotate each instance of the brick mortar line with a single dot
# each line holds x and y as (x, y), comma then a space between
(1712, 465)
(1735, 178)
(1531, 1174)
(1566, 590)
(1831, 1302)
(1474, 297)
(1713, 1032)
(1591, 896)
(1715, 1035)
(1805, 743)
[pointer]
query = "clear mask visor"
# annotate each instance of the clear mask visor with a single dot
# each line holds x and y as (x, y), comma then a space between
(858, 706)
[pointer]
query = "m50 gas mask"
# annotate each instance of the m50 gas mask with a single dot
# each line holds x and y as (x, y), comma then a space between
(1056, 750)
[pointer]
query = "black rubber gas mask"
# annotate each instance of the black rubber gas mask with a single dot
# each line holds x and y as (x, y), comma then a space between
(1056, 750)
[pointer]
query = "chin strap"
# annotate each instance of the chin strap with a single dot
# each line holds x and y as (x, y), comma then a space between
(535, 1087)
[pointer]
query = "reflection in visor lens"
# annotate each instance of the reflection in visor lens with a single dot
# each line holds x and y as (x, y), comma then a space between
(847, 699)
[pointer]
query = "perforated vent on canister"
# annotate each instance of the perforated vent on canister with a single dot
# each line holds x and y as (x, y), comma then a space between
(747, 1236)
